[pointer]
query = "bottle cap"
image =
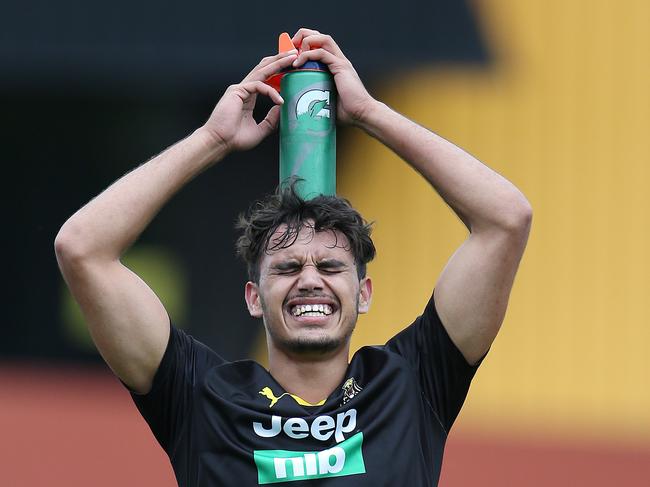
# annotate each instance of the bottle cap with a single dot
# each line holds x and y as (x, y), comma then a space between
(286, 44)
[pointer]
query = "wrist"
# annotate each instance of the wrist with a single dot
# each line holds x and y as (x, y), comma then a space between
(368, 117)
(215, 146)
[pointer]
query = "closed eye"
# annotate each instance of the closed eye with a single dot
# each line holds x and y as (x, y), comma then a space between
(334, 270)
(286, 268)
(332, 266)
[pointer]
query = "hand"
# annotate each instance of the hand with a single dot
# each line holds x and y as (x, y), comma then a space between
(231, 123)
(353, 98)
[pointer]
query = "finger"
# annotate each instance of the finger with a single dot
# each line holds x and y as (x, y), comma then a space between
(271, 59)
(254, 87)
(270, 122)
(301, 34)
(320, 40)
(262, 71)
(319, 54)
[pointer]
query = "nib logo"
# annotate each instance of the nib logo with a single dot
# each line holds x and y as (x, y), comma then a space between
(344, 459)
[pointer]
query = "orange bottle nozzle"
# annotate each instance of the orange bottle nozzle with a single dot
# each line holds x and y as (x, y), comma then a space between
(285, 43)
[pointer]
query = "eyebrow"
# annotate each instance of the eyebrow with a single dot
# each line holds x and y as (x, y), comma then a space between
(292, 264)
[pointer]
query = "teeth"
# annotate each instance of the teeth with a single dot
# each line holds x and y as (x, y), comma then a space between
(311, 310)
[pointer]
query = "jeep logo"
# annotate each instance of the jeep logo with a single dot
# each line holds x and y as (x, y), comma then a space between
(322, 428)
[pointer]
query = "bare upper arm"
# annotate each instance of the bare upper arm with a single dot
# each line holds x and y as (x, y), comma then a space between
(127, 321)
(473, 290)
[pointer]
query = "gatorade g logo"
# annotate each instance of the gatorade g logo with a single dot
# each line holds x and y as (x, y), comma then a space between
(346, 458)
(315, 103)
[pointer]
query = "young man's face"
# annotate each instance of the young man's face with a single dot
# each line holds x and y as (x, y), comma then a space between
(309, 294)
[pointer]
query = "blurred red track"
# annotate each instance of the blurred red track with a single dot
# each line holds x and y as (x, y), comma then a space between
(77, 428)
(472, 460)
(72, 427)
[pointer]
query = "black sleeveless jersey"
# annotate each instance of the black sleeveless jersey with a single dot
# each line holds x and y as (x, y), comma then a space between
(230, 423)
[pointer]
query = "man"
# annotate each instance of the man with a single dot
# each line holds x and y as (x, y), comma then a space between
(381, 419)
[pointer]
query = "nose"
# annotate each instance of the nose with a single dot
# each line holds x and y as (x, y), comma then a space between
(310, 279)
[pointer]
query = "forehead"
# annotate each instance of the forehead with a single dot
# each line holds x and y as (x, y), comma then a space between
(310, 244)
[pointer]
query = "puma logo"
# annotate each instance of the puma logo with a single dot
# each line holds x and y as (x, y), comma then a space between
(268, 393)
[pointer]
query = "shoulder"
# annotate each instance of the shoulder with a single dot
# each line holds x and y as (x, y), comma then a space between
(378, 362)
(185, 360)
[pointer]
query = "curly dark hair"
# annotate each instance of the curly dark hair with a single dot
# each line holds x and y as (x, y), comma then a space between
(286, 206)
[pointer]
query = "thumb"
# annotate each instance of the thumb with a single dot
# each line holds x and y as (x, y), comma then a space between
(270, 122)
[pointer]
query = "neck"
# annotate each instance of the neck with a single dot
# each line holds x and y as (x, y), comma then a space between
(312, 378)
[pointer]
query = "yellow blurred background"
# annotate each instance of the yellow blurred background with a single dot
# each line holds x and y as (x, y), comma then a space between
(564, 113)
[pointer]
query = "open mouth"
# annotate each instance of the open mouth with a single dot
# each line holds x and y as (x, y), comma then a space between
(315, 309)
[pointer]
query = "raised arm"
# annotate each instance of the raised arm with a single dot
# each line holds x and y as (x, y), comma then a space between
(473, 290)
(127, 321)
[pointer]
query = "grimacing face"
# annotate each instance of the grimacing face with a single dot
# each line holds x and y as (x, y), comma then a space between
(309, 294)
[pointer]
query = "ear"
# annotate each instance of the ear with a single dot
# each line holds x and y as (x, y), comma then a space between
(253, 302)
(365, 294)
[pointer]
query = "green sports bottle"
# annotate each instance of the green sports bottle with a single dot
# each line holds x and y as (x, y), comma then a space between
(308, 129)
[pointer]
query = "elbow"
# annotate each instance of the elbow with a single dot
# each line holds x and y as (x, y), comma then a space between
(70, 247)
(67, 247)
(519, 217)
(77, 249)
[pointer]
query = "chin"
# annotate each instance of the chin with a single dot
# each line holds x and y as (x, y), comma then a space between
(311, 340)
(313, 345)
